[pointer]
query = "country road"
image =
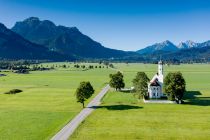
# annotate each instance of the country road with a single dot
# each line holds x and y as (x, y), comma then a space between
(69, 129)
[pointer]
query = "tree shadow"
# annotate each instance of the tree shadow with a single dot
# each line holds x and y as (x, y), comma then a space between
(126, 91)
(191, 95)
(118, 107)
(191, 98)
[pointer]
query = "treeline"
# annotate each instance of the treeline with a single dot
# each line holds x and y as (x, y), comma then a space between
(93, 66)
(21, 66)
(25, 67)
(150, 60)
(13, 65)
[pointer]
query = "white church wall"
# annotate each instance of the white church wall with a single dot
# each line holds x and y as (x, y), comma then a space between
(155, 92)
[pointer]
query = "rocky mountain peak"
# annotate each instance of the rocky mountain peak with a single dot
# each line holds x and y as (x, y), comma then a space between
(31, 19)
(2, 27)
(187, 44)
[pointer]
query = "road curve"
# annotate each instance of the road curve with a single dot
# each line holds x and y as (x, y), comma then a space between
(69, 129)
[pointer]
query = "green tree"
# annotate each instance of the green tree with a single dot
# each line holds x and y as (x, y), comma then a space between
(174, 86)
(140, 83)
(111, 65)
(83, 92)
(64, 66)
(117, 81)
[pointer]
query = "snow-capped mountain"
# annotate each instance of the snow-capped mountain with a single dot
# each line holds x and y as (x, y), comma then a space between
(188, 44)
(168, 46)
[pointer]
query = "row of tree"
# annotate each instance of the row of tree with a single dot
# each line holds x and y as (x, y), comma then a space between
(174, 86)
(89, 67)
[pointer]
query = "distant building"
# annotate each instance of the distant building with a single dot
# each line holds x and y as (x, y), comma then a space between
(155, 86)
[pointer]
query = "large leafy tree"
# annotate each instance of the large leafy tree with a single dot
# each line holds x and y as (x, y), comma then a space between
(83, 92)
(140, 84)
(117, 81)
(174, 85)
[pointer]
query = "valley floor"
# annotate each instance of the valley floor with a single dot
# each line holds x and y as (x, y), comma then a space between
(48, 102)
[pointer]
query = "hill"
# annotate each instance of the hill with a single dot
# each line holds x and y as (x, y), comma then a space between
(197, 54)
(194, 54)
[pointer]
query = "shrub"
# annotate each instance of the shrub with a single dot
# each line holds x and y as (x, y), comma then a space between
(13, 91)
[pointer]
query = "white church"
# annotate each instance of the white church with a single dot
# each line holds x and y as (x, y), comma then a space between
(155, 86)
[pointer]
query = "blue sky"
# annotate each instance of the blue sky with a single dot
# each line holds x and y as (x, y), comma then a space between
(119, 24)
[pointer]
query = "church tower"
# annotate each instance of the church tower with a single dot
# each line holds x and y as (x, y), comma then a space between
(160, 71)
(155, 86)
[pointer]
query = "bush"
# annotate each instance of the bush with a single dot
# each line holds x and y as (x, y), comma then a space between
(13, 91)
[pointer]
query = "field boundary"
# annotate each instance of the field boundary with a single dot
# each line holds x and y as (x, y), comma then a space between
(69, 129)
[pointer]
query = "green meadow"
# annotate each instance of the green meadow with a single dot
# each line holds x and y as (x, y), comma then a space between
(123, 117)
(47, 102)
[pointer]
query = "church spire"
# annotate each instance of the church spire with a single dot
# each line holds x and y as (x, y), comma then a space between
(160, 71)
(160, 67)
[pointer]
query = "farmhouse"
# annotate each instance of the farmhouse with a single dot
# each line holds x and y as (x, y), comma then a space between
(155, 86)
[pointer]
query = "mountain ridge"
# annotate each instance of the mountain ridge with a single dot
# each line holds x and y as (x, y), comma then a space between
(64, 40)
(168, 46)
(14, 46)
(163, 46)
(45, 40)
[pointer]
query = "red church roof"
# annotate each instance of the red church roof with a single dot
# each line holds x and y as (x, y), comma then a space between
(154, 82)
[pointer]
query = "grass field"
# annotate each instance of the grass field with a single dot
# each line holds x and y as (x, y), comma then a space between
(47, 102)
(122, 117)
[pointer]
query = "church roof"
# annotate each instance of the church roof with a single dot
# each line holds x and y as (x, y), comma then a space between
(154, 82)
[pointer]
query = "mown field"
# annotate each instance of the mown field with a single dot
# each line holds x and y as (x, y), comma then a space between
(47, 102)
(123, 117)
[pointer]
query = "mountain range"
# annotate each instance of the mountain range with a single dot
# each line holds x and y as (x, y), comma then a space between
(38, 39)
(169, 47)
(64, 40)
